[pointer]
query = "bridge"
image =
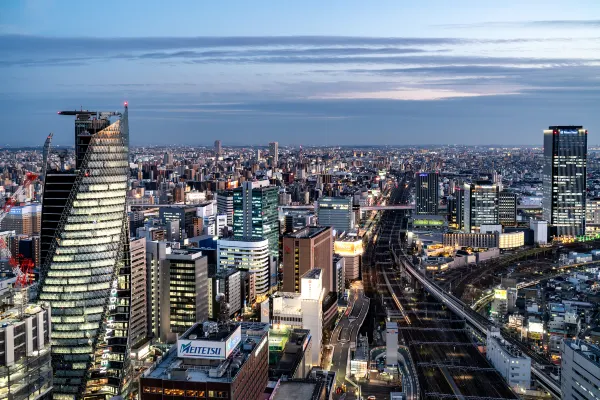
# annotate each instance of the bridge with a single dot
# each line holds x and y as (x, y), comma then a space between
(476, 320)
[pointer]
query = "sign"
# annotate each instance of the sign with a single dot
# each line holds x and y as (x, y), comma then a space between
(209, 349)
(500, 294)
(344, 248)
(569, 131)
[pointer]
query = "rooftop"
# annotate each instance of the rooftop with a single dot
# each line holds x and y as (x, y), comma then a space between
(11, 316)
(586, 349)
(308, 232)
(297, 390)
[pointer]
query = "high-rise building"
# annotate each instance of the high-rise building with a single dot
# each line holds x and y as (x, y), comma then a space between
(252, 255)
(580, 370)
(303, 250)
(351, 249)
(156, 252)
(227, 282)
(183, 292)
(336, 212)
(25, 366)
(255, 214)
(274, 154)
(85, 276)
(183, 214)
(138, 325)
(225, 205)
(507, 208)
(480, 205)
(218, 149)
(456, 204)
(564, 177)
(428, 193)
(24, 220)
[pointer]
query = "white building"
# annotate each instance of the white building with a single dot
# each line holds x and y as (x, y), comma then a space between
(510, 362)
(540, 231)
(300, 310)
(580, 378)
(247, 255)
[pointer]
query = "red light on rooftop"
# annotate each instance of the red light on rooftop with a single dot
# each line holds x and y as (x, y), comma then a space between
(126, 104)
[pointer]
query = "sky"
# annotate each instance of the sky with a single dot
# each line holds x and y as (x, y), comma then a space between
(341, 72)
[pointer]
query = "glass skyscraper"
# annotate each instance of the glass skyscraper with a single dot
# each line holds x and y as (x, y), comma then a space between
(480, 205)
(427, 193)
(564, 177)
(85, 276)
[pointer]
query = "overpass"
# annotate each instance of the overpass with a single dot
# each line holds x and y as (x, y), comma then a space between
(476, 320)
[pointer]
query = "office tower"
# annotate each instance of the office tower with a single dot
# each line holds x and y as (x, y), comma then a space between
(507, 208)
(274, 154)
(592, 215)
(183, 292)
(580, 370)
(351, 249)
(455, 208)
(255, 214)
(85, 271)
(564, 177)
(218, 149)
(339, 265)
(25, 362)
(336, 212)
(225, 205)
(427, 193)
(24, 220)
(303, 250)
(213, 361)
(184, 215)
(168, 158)
(229, 283)
(480, 205)
(156, 252)
(252, 255)
(138, 325)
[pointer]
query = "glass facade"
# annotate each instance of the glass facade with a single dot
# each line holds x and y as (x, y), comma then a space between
(427, 193)
(480, 205)
(564, 177)
(86, 274)
(336, 212)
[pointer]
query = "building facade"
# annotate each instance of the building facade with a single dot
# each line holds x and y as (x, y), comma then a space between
(248, 255)
(303, 250)
(139, 298)
(509, 361)
(86, 264)
(580, 366)
(427, 193)
(274, 154)
(225, 205)
(336, 212)
(564, 180)
(507, 208)
(480, 205)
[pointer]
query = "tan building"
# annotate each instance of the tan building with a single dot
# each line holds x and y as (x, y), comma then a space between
(24, 220)
(138, 324)
(303, 250)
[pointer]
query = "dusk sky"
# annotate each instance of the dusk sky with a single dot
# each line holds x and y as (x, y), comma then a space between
(302, 72)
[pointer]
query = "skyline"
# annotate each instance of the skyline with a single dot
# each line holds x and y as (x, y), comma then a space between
(303, 73)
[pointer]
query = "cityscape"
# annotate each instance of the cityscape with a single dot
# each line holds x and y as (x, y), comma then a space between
(144, 261)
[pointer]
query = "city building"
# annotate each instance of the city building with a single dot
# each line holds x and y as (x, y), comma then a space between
(229, 283)
(85, 270)
(507, 208)
(456, 204)
(225, 205)
(183, 215)
(339, 266)
(248, 255)
(25, 363)
(480, 205)
(564, 180)
(138, 324)
(580, 366)
(350, 248)
(476, 240)
(24, 220)
(540, 231)
(156, 252)
(183, 292)
(336, 212)
(305, 249)
(274, 154)
(427, 193)
(255, 214)
(509, 361)
(218, 149)
(295, 360)
(299, 310)
(212, 361)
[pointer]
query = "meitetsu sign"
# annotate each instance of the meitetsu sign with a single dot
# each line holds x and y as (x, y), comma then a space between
(208, 349)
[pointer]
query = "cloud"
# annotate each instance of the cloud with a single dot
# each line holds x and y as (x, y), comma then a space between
(565, 23)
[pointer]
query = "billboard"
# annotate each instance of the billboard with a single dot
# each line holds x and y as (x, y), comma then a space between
(344, 248)
(208, 349)
(536, 327)
(500, 294)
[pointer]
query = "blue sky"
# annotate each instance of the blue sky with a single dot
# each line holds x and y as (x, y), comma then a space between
(302, 72)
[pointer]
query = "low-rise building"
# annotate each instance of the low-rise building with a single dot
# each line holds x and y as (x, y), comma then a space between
(580, 378)
(510, 362)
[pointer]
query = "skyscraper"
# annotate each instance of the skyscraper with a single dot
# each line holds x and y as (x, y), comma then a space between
(85, 276)
(564, 177)
(255, 213)
(480, 205)
(507, 208)
(274, 153)
(218, 149)
(337, 213)
(428, 193)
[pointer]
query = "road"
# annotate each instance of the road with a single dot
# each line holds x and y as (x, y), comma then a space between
(346, 331)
